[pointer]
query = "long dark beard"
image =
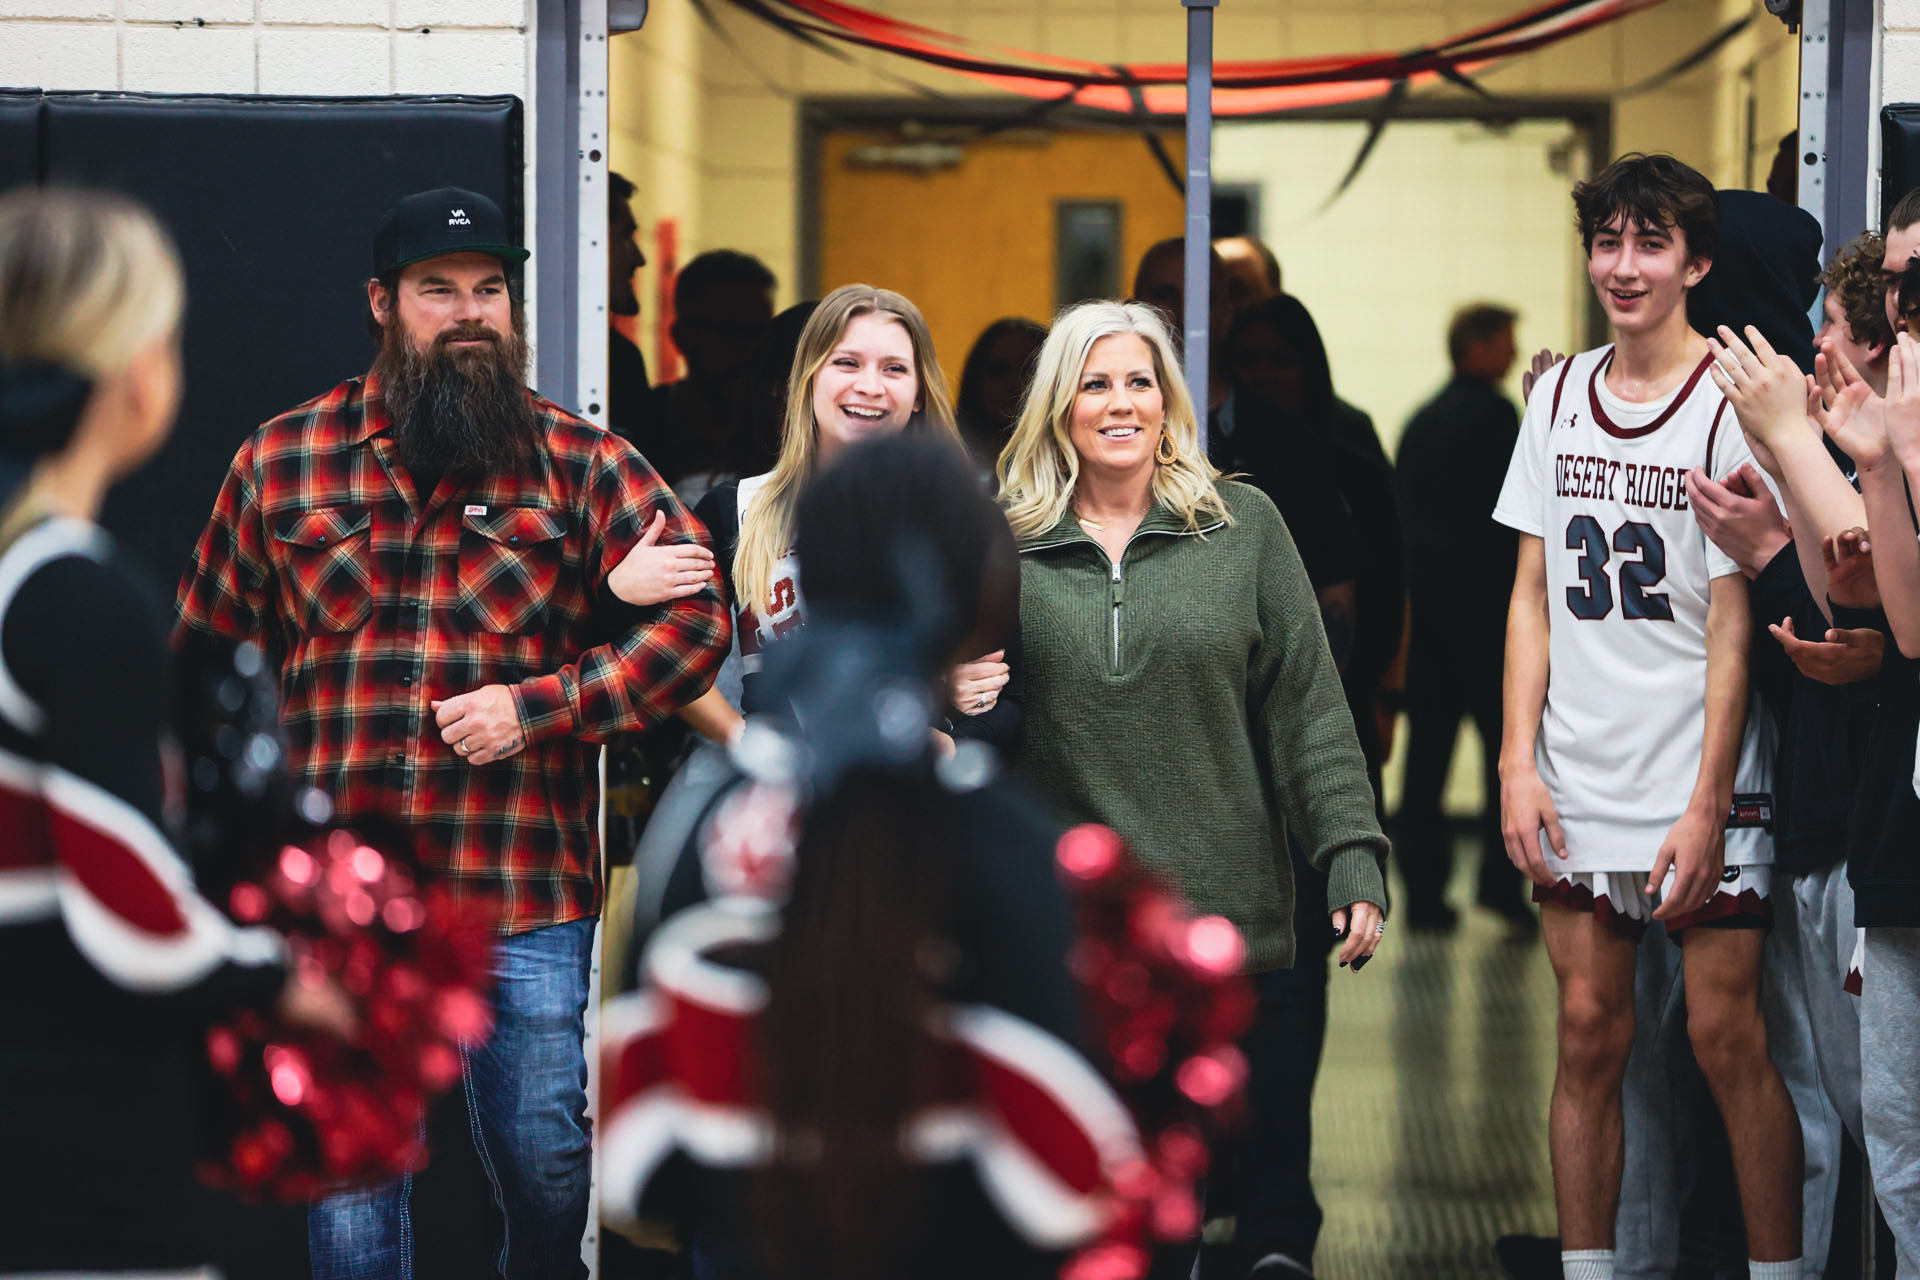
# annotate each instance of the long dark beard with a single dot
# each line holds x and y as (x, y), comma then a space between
(462, 411)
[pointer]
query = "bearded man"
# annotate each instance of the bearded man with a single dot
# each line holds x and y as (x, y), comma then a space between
(424, 551)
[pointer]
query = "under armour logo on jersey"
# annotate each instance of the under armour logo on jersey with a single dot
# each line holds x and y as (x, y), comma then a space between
(1573, 420)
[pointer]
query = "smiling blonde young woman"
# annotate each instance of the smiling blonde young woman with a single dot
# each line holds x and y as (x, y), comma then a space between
(865, 368)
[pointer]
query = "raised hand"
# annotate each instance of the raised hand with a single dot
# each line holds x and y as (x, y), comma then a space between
(1849, 561)
(1903, 400)
(653, 574)
(1766, 389)
(1855, 419)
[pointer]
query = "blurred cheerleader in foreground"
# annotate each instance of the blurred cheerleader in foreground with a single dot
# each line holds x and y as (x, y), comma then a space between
(114, 960)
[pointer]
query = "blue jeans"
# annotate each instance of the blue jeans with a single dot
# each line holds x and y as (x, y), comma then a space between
(526, 1100)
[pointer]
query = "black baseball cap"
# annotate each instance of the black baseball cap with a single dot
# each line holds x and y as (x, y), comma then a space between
(445, 220)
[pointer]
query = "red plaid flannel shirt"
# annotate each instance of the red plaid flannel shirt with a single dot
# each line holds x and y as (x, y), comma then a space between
(375, 602)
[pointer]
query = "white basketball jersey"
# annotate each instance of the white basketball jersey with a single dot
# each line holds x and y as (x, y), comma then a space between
(1602, 481)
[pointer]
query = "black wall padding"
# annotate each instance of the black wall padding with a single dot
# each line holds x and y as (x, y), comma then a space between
(273, 203)
(19, 137)
(1899, 154)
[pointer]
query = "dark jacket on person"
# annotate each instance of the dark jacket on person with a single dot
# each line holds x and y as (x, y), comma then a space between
(1268, 449)
(1765, 273)
(629, 398)
(1366, 481)
(1460, 560)
(1881, 863)
(1824, 727)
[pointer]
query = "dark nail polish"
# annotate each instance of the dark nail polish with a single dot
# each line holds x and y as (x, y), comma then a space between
(1361, 963)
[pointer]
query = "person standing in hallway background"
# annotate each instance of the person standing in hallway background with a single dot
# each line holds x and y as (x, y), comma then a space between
(1453, 457)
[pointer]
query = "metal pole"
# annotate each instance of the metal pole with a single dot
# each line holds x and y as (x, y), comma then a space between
(1199, 202)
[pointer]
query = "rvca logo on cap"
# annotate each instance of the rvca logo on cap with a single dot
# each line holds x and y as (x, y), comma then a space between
(458, 218)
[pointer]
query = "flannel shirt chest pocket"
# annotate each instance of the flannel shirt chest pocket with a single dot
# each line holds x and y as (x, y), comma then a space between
(327, 558)
(509, 566)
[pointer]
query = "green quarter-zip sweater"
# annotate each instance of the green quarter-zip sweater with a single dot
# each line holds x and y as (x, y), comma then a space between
(1186, 698)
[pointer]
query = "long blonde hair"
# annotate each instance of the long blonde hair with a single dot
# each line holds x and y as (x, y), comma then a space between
(766, 526)
(86, 280)
(1039, 467)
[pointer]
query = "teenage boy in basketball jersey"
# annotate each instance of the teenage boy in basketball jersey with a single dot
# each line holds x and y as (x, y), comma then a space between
(1633, 776)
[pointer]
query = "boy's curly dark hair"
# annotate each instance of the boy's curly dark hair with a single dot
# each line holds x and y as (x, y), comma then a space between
(1654, 191)
(1854, 278)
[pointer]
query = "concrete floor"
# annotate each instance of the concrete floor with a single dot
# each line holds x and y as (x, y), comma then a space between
(1430, 1119)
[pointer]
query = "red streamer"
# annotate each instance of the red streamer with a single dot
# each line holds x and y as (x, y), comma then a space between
(1240, 88)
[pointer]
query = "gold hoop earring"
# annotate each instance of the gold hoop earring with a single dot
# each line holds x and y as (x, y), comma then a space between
(1160, 454)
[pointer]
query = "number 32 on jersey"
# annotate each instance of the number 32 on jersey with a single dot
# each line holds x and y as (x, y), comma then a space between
(1638, 574)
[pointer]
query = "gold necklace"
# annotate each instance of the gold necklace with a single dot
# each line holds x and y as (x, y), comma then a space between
(1101, 524)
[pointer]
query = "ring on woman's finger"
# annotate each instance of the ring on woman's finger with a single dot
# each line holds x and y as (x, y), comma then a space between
(1380, 930)
(980, 701)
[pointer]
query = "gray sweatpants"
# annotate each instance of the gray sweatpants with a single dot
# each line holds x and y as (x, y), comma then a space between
(1824, 903)
(1890, 1083)
(1664, 1092)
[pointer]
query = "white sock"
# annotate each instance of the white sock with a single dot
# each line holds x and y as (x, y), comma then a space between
(1774, 1270)
(1590, 1264)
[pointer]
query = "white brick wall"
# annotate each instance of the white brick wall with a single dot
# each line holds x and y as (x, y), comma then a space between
(59, 55)
(329, 47)
(165, 58)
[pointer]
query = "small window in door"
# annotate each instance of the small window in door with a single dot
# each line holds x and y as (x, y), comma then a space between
(1086, 250)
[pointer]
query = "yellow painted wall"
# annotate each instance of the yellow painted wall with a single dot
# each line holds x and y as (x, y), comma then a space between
(974, 243)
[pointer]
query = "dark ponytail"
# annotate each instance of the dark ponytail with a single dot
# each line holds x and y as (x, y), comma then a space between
(903, 557)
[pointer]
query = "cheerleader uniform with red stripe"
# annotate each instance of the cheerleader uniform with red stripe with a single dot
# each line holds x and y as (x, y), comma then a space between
(1016, 1156)
(111, 958)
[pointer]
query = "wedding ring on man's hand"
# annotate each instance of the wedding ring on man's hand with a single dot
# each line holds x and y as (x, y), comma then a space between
(461, 747)
(980, 701)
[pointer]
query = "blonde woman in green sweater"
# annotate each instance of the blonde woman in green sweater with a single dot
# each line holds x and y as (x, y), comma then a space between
(1178, 683)
(1179, 687)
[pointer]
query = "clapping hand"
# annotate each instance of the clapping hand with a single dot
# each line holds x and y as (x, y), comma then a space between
(1846, 656)
(1768, 392)
(1845, 408)
(1849, 561)
(1739, 516)
(1903, 399)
